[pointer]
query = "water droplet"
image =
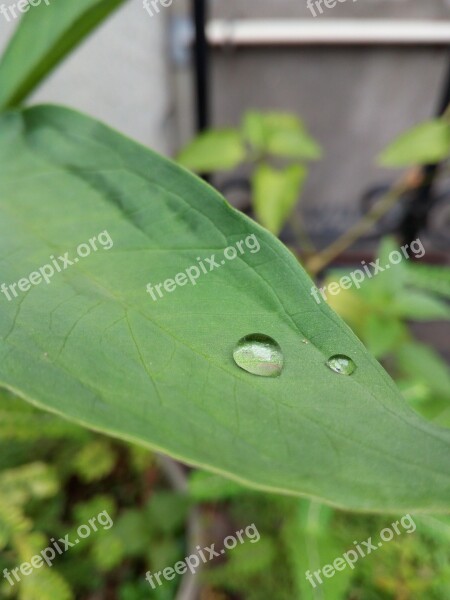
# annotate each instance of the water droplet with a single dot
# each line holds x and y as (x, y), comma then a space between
(259, 354)
(339, 363)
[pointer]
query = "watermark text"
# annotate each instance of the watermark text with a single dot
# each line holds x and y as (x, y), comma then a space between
(204, 266)
(57, 547)
(203, 555)
(361, 550)
(58, 264)
(355, 278)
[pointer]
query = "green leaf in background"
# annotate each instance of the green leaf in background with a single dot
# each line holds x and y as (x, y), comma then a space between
(313, 543)
(254, 130)
(418, 305)
(94, 461)
(423, 364)
(437, 527)
(382, 334)
(94, 347)
(435, 279)
(209, 487)
(245, 561)
(20, 421)
(30, 481)
(280, 134)
(276, 193)
(427, 143)
(393, 277)
(44, 584)
(219, 150)
(55, 29)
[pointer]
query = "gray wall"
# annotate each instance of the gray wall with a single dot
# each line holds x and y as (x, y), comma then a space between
(120, 75)
(353, 100)
(366, 9)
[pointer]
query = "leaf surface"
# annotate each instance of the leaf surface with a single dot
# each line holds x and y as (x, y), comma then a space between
(93, 346)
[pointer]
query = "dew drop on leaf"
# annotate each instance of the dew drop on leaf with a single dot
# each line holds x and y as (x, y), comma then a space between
(259, 354)
(339, 363)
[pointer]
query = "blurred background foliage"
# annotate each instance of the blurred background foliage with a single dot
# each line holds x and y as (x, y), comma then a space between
(55, 476)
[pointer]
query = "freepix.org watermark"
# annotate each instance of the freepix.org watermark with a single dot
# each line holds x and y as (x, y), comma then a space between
(203, 555)
(153, 7)
(363, 549)
(58, 547)
(204, 266)
(355, 278)
(22, 6)
(316, 6)
(58, 264)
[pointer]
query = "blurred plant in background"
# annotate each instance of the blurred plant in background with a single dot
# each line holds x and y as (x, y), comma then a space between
(72, 476)
(380, 312)
(75, 474)
(276, 146)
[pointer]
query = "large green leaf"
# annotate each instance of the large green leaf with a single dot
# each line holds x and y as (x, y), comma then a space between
(45, 35)
(93, 346)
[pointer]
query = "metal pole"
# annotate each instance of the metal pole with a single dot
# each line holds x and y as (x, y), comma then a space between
(416, 219)
(201, 63)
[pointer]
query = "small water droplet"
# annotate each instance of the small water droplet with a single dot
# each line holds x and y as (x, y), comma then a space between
(305, 342)
(259, 354)
(339, 363)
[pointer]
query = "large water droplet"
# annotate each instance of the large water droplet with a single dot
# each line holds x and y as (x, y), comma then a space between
(339, 363)
(259, 354)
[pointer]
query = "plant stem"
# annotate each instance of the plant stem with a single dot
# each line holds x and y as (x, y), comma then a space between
(189, 588)
(298, 227)
(411, 180)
